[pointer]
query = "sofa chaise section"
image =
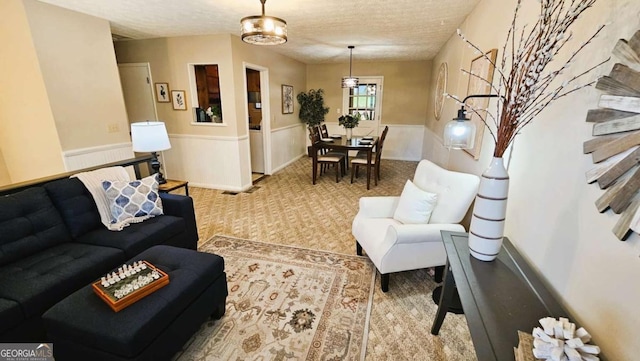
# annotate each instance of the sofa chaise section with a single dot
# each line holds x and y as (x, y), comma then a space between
(53, 243)
(39, 263)
(10, 314)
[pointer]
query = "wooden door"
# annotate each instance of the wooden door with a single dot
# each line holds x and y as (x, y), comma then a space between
(137, 89)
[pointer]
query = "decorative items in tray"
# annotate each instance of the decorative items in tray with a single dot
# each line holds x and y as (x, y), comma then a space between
(558, 340)
(129, 283)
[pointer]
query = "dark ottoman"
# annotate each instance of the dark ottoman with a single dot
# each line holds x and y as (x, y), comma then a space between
(82, 326)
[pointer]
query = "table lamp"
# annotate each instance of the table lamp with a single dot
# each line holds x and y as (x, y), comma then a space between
(151, 137)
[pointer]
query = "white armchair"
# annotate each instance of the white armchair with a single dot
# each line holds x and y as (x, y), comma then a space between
(393, 246)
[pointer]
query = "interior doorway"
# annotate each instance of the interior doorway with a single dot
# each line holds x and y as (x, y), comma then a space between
(256, 122)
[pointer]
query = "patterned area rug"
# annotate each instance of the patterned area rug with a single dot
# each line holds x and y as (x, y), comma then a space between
(287, 209)
(287, 303)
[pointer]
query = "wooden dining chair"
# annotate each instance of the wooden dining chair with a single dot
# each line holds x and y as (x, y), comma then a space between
(363, 153)
(335, 159)
(361, 159)
(324, 133)
(314, 130)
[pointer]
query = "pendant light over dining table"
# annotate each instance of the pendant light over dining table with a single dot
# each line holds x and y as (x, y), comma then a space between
(350, 82)
(263, 30)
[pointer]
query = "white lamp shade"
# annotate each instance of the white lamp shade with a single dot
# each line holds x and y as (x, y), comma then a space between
(149, 137)
(349, 82)
(459, 134)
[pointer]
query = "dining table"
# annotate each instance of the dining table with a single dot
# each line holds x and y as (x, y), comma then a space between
(342, 144)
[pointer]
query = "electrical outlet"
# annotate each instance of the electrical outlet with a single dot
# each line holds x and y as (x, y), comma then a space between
(113, 128)
(338, 111)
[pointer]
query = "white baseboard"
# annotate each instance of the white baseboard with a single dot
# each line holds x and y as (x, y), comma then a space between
(222, 187)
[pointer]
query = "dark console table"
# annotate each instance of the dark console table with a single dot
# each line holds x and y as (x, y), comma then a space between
(499, 298)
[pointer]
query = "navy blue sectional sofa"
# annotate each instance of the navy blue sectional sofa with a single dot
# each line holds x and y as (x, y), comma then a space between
(52, 243)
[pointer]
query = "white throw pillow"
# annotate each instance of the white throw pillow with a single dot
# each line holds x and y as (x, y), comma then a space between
(415, 205)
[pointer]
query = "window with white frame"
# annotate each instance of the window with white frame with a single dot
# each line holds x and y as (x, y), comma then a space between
(365, 99)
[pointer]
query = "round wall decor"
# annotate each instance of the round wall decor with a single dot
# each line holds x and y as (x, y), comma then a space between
(615, 150)
(441, 88)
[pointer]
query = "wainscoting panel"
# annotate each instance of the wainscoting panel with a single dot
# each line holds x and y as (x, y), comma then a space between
(223, 162)
(287, 145)
(89, 157)
(434, 150)
(244, 151)
(206, 161)
(403, 142)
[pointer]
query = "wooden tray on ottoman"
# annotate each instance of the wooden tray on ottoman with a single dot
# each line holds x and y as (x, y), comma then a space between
(119, 304)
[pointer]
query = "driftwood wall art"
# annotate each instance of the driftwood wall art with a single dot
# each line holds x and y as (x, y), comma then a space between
(615, 150)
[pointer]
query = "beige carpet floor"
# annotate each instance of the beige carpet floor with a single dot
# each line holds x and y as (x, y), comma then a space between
(286, 208)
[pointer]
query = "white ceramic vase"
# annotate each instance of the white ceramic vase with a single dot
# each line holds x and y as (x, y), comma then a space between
(349, 133)
(487, 223)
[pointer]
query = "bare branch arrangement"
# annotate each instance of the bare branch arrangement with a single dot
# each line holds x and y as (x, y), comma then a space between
(525, 85)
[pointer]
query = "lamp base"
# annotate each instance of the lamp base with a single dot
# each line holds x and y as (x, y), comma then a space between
(155, 164)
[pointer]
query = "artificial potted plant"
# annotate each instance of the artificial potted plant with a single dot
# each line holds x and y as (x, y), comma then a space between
(312, 109)
(349, 121)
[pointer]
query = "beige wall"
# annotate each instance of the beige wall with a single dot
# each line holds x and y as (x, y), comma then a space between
(169, 59)
(406, 85)
(4, 172)
(28, 136)
(60, 87)
(551, 217)
(156, 53)
(80, 74)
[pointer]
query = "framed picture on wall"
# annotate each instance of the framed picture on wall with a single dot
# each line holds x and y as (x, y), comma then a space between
(162, 92)
(287, 99)
(179, 100)
(484, 70)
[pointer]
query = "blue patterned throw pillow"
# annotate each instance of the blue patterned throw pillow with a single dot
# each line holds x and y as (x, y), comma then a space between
(134, 201)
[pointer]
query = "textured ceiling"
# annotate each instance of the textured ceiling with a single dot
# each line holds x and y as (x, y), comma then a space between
(318, 31)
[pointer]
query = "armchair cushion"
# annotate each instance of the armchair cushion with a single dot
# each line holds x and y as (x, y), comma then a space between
(455, 190)
(415, 205)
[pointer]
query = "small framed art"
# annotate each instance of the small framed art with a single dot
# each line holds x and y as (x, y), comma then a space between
(287, 99)
(162, 92)
(179, 99)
